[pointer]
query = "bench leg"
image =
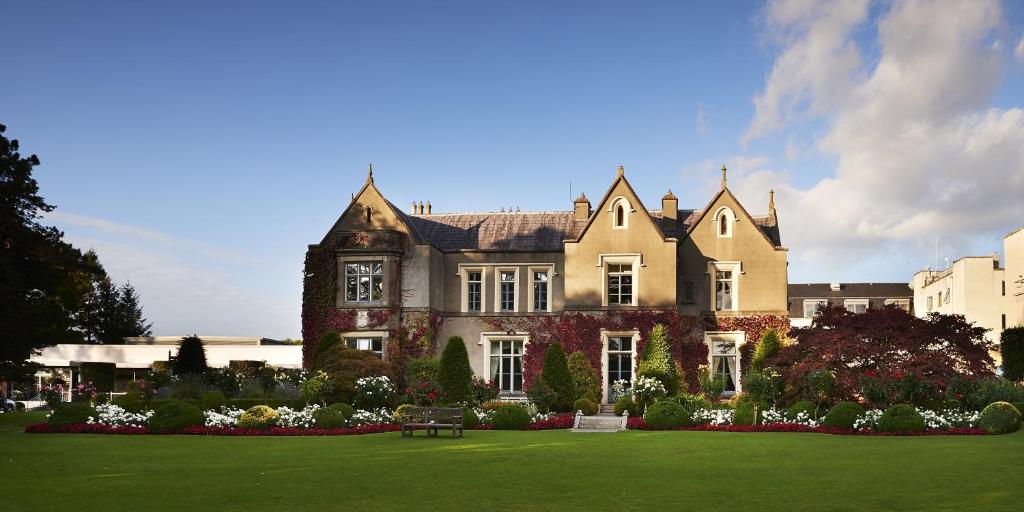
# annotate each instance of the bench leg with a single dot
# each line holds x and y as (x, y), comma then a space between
(456, 432)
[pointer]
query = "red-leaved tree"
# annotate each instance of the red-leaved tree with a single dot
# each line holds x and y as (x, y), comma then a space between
(888, 346)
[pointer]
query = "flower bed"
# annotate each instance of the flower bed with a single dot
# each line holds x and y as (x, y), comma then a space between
(638, 423)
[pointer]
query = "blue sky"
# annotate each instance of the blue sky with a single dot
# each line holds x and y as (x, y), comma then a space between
(199, 148)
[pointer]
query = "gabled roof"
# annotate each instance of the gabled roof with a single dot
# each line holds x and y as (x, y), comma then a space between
(369, 185)
(504, 231)
(769, 228)
(604, 200)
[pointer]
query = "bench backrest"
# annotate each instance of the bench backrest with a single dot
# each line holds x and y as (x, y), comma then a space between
(428, 414)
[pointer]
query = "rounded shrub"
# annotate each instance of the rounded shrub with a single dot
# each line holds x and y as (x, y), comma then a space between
(843, 415)
(469, 418)
(744, 414)
(175, 415)
(71, 414)
(666, 414)
(901, 418)
(345, 410)
(1000, 418)
(806, 406)
(213, 400)
(131, 401)
(258, 417)
(588, 407)
(510, 417)
(328, 418)
(625, 403)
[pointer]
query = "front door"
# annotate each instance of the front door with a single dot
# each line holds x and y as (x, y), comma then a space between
(619, 367)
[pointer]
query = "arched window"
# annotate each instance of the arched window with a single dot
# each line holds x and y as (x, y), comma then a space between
(619, 209)
(369, 214)
(724, 220)
(620, 216)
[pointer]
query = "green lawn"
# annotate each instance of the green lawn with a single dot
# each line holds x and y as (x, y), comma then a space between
(554, 470)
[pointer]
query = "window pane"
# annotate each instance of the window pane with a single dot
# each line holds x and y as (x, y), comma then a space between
(378, 288)
(364, 268)
(351, 289)
(364, 288)
(351, 343)
(378, 268)
(350, 268)
(473, 276)
(377, 344)
(540, 276)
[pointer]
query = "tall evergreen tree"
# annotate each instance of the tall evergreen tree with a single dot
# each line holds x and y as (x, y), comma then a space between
(656, 360)
(191, 358)
(43, 279)
(110, 312)
(556, 375)
(134, 324)
(454, 374)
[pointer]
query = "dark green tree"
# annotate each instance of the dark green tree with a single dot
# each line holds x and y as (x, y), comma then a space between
(191, 358)
(556, 375)
(656, 360)
(43, 279)
(454, 375)
(1012, 348)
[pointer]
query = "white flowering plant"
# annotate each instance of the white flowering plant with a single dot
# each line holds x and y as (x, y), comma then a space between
(620, 388)
(715, 417)
(115, 416)
(301, 418)
(374, 417)
(646, 390)
(374, 393)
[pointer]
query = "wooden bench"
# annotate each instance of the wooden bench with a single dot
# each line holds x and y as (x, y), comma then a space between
(431, 419)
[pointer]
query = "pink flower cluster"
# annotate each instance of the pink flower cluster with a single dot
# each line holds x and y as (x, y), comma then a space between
(638, 423)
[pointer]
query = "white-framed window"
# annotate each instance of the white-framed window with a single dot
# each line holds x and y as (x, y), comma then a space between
(473, 290)
(930, 304)
(620, 210)
(505, 362)
(506, 291)
(723, 221)
(903, 304)
(725, 285)
(540, 289)
(620, 283)
(811, 306)
(374, 344)
(947, 295)
(724, 358)
(856, 305)
(364, 281)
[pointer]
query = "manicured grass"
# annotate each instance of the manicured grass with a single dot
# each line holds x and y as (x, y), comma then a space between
(552, 470)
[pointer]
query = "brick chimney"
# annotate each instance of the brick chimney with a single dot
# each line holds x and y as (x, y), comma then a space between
(669, 209)
(582, 207)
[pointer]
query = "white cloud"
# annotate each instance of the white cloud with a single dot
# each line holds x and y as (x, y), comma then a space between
(186, 287)
(701, 120)
(1019, 50)
(920, 154)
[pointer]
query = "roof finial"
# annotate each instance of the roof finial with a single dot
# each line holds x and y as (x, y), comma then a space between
(622, 171)
(369, 174)
(723, 177)
(771, 199)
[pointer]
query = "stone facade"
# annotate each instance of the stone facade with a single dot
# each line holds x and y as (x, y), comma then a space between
(595, 277)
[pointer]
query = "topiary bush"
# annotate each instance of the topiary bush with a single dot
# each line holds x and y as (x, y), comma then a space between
(767, 347)
(745, 414)
(213, 400)
(469, 418)
(555, 374)
(346, 410)
(656, 360)
(806, 406)
(71, 413)
(191, 358)
(258, 417)
(345, 366)
(667, 414)
(328, 418)
(588, 407)
(588, 384)
(454, 374)
(541, 394)
(175, 415)
(510, 417)
(901, 418)
(1000, 418)
(843, 415)
(624, 404)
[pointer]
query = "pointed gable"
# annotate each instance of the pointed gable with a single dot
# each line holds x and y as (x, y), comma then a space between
(369, 210)
(764, 226)
(621, 193)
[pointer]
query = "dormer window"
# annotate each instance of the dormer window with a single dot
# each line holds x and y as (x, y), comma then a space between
(620, 211)
(369, 214)
(724, 219)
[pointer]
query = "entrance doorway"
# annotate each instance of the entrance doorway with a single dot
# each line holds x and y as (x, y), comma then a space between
(618, 366)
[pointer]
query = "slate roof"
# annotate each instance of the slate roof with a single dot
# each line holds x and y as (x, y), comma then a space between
(851, 290)
(527, 231)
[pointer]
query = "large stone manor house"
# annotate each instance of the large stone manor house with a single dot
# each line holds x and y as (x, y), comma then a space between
(595, 277)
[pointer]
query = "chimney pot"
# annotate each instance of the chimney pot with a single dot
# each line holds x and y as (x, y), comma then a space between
(428, 207)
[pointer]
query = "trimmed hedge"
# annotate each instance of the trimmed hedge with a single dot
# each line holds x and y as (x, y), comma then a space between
(213, 400)
(666, 414)
(469, 418)
(328, 418)
(346, 410)
(1000, 418)
(71, 413)
(806, 406)
(258, 417)
(588, 407)
(102, 375)
(175, 416)
(510, 417)
(843, 415)
(901, 418)
(556, 375)
(454, 375)
(625, 403)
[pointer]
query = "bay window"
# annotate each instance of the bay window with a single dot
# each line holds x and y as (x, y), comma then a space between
(364, 281)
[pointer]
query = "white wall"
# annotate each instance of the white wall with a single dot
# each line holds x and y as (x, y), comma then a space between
(142, 356)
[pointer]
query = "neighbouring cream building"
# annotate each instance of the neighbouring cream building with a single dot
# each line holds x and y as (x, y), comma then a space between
(805, 299)
(978, 287)
(595, 277)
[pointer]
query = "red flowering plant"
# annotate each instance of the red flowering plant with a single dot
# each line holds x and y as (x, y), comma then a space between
(485, 390)
(144, 388)
(53, 393)
(83, 392)
(424, 393)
